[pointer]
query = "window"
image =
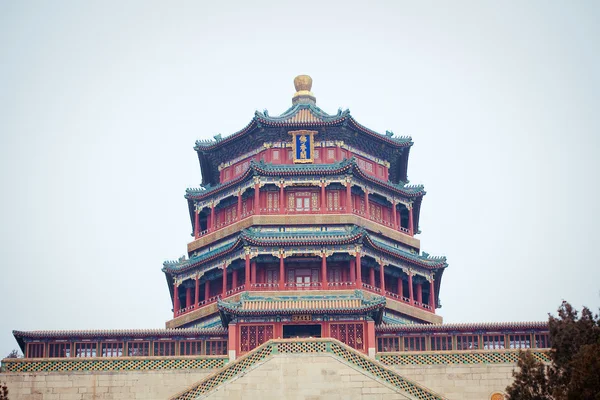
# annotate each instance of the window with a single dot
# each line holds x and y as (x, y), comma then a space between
(35, 350)
(112, 349)
(164, 348)
(190, 348)
(542, 341)
(491, 342)
(330, 153)
(467, 342)
(252, 336)
(302, 203)
(85, 349)
(59, 350)
(388, 344)
(441, 342)
(275, 154)
(219, 347)
(138, 349)
(349, 333)
(414, 343)
(522, 341)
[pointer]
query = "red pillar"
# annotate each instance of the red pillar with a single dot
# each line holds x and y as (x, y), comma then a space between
(176, 305)
(372, 277)
(410, 289)
(324, 271)
(358, 270)
(400, 287)
(410, 221)
(371, 338)
(232, 341)
(196, 224)
(239, 206)
(367, 208)
(432, 295)
(323, 199)
(234, 279)
(256, 198)
(349, 197)
(353, 271)
(224, 280)
(281, 199)
(197, 291)
(281, 272)
(247, 278)
(382, 278)
(188, 297)
(206, 290)
(253, 272)
(212, 217)
(420, 293)
(394, 216)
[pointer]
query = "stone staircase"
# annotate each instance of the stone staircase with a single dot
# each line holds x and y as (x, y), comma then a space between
(383, 377)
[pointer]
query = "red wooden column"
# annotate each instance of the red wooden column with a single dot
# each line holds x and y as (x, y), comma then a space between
(400, 287)
(367, 208)
(247, 277)
(410, 221)
(188, 297)
(323, 199)
(432, 295)
(349, 209)
(410, 289)
(196, 223)
(281, 271)
(239, 205)
(234, 279)
(420, 293)
(206, 290)
(358, 270)
(372, 277)
(394, 215)
(197, 291)
(382, 278)
(371, 338)
(224, 280)
(212, 217)
(281, 198)
(232, 341)
(176, 305)
(253, 272)
(353, 271)
(257, 198)
(324, 270)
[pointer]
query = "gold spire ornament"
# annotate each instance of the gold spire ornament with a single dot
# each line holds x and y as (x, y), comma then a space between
(303, 84)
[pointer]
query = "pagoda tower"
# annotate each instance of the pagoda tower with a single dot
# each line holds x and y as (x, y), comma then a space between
(304, 226)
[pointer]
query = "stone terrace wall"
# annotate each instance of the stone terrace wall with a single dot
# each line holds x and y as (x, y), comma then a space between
(306, 377)
(458, 382)
(119, 385)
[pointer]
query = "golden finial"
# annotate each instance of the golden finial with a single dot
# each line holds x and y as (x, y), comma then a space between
(303, 84)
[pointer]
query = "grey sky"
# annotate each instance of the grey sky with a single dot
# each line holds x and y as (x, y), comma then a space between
(100, 105)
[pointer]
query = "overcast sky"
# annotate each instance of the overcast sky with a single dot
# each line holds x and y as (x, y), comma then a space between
(101, 102)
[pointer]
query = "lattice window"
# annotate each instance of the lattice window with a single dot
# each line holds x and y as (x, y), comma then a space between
(333, 200)
(493, 342)
(85, 349)
(164, 348)
(138, 349)
(275, 154)
(375, 211)
(59, 350)
(315, 201)
(349, 333)
(252, 336)
(216, 347)
(272, 201)
(112, 349)
(272, 276)
(522, 341)
(414, 343)
(317, 154)
(441, 342)
(35, 350)
(467, 342)
(334, 274)
(388, 344)
(227, 174)
(542, 341)
(290, 155)
(190, 347)
(330, 153)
